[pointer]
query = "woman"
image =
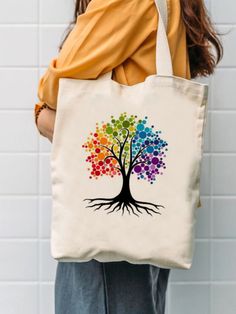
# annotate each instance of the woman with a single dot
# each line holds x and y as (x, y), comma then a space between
(120, 36)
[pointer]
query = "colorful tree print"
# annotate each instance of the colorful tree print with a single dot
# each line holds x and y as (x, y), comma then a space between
(123, 147)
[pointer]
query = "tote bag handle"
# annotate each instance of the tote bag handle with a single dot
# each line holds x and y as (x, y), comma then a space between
(162, 5)
(163, 55)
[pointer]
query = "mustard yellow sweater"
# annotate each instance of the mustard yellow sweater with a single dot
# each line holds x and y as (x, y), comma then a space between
(118, 35)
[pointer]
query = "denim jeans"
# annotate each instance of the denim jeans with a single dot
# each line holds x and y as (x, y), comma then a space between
(110, 288)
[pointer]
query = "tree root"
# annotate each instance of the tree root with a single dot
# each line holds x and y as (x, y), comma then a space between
(116, 204)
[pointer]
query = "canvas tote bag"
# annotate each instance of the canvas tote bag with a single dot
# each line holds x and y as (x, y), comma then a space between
(125, 167)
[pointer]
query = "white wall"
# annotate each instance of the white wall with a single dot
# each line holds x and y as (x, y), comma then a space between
(29, 33)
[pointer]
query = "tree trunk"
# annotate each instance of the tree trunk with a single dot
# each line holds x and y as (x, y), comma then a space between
(125, 193)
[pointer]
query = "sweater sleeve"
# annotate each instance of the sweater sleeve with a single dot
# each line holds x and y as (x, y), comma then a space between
(102, 38)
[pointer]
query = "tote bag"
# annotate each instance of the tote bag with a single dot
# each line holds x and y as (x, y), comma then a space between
(125, 167)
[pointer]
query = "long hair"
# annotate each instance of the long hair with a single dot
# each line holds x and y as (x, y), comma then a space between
(200, 32)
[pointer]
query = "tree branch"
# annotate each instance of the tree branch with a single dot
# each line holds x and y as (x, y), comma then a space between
(122, 147)
(113, 154)
(139, 154)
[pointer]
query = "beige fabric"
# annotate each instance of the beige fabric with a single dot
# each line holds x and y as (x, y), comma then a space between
(134, 230)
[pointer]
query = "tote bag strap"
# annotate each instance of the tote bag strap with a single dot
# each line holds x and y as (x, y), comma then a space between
(162, 5)
(163, 55)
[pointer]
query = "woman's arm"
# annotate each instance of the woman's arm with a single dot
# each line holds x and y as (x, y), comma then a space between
(102, 38)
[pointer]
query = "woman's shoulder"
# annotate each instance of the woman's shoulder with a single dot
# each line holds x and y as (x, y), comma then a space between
(129, 9)
(93, 4)
(133, 6)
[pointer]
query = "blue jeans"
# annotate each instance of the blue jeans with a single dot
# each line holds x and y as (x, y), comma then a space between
(110, 288)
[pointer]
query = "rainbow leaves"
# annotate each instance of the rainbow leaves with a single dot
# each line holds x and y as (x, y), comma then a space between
(123, 147)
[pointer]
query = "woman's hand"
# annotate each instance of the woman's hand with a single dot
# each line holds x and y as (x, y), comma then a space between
(45, 122)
